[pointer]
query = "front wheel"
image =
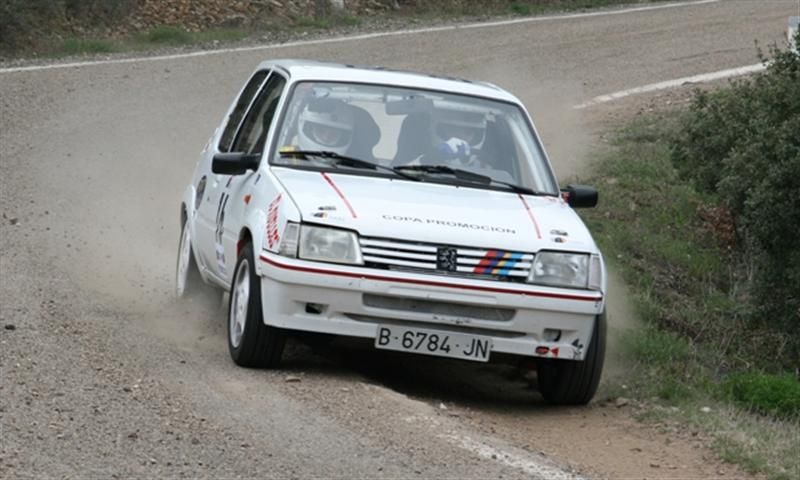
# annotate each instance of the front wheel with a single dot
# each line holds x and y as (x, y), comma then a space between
(251, 343)
(569, 382)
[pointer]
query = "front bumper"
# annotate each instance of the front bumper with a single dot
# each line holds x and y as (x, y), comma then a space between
(353, 301)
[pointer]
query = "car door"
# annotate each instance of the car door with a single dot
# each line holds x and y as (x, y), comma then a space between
(222, 212)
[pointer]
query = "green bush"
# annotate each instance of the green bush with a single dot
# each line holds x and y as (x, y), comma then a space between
(742, 144)
(777, 395)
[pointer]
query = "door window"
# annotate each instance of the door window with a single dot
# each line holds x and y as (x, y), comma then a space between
(253, 134)
(236, 115)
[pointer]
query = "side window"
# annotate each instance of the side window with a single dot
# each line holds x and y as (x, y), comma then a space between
(256, 124)
(236, 115)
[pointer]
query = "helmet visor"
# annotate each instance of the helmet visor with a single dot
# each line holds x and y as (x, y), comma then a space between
(327, 135)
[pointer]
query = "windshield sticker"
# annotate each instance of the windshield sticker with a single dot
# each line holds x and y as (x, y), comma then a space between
(450, 223)
(273, 237)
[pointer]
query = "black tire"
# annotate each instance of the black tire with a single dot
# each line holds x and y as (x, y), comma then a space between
(258, 345)
(192, 284)
(569, 382)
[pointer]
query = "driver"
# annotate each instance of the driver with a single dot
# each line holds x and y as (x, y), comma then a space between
(458, 136)
(326, 125)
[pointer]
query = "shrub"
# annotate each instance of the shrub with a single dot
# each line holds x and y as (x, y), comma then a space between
(777, 395)
(742, 144)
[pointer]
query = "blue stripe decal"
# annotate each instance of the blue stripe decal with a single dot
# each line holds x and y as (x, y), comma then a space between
(510, 262)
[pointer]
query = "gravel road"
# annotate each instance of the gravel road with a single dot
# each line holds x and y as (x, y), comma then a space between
(103, 375)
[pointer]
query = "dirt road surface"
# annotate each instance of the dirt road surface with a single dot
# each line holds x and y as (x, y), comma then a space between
(102, 374)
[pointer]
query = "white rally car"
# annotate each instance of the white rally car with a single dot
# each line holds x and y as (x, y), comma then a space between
(417, 211)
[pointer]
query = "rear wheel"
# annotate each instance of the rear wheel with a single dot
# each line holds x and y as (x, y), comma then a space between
(569, 382)
(250, 342)
(188, 281)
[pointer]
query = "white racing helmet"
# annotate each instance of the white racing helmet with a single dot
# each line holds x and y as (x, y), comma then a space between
(467, 126)
(326, 125)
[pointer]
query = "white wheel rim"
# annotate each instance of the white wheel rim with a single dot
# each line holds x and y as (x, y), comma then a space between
(239, 302)
(184, 257)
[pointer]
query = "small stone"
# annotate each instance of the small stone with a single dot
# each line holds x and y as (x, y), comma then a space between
(655, 465)
(706, 409)
(13, 220)
(291, 379)
(442, 406)
(621, 402)
(133, 435)
(10, 326)
(195, 441)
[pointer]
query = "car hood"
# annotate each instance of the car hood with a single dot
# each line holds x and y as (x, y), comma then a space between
(435, 213)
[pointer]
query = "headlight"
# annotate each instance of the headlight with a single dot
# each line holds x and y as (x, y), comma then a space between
(329, 245)
(560, 269)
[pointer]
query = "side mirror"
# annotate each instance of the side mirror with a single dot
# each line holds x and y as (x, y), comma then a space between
(234, 163)
(579, 196)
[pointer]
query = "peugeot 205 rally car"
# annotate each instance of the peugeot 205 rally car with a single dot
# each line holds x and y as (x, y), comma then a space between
(416, 211)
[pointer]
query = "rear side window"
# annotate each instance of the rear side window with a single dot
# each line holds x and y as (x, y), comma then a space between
(253, 133)
(239, 110)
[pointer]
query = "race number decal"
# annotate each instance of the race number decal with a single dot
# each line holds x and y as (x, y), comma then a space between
(218, 247)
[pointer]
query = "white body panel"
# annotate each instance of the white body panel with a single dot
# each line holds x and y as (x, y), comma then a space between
(352, 300)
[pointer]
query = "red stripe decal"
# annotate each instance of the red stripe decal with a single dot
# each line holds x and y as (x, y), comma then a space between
(430, 283)
(530, 214)
(339, 192)
(485, 262)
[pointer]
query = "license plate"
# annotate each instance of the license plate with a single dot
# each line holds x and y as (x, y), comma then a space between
(433, 342)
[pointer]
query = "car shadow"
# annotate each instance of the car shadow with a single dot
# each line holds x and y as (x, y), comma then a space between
(494, 387)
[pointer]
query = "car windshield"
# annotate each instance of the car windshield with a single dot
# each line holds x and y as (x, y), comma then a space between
(413, 130)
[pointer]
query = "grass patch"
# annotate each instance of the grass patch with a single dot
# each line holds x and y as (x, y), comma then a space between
(166, 35)
(777, 395)
(651, 227)
(220, 35)
(520, 9)
(80, 46)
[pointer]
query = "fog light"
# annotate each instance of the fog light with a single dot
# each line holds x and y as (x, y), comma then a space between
(551, 335)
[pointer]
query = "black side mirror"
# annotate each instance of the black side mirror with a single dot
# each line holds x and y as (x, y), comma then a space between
(580, 196)
(234, 163)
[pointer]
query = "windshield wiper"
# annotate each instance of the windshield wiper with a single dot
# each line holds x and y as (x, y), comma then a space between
(337, 160)
(466, 175)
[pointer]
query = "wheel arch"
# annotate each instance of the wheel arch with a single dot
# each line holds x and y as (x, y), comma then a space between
(245, 237)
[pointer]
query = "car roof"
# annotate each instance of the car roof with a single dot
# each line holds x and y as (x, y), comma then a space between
(300, 70)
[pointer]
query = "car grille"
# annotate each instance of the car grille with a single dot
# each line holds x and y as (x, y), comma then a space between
(436, 308)
(494, 264)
